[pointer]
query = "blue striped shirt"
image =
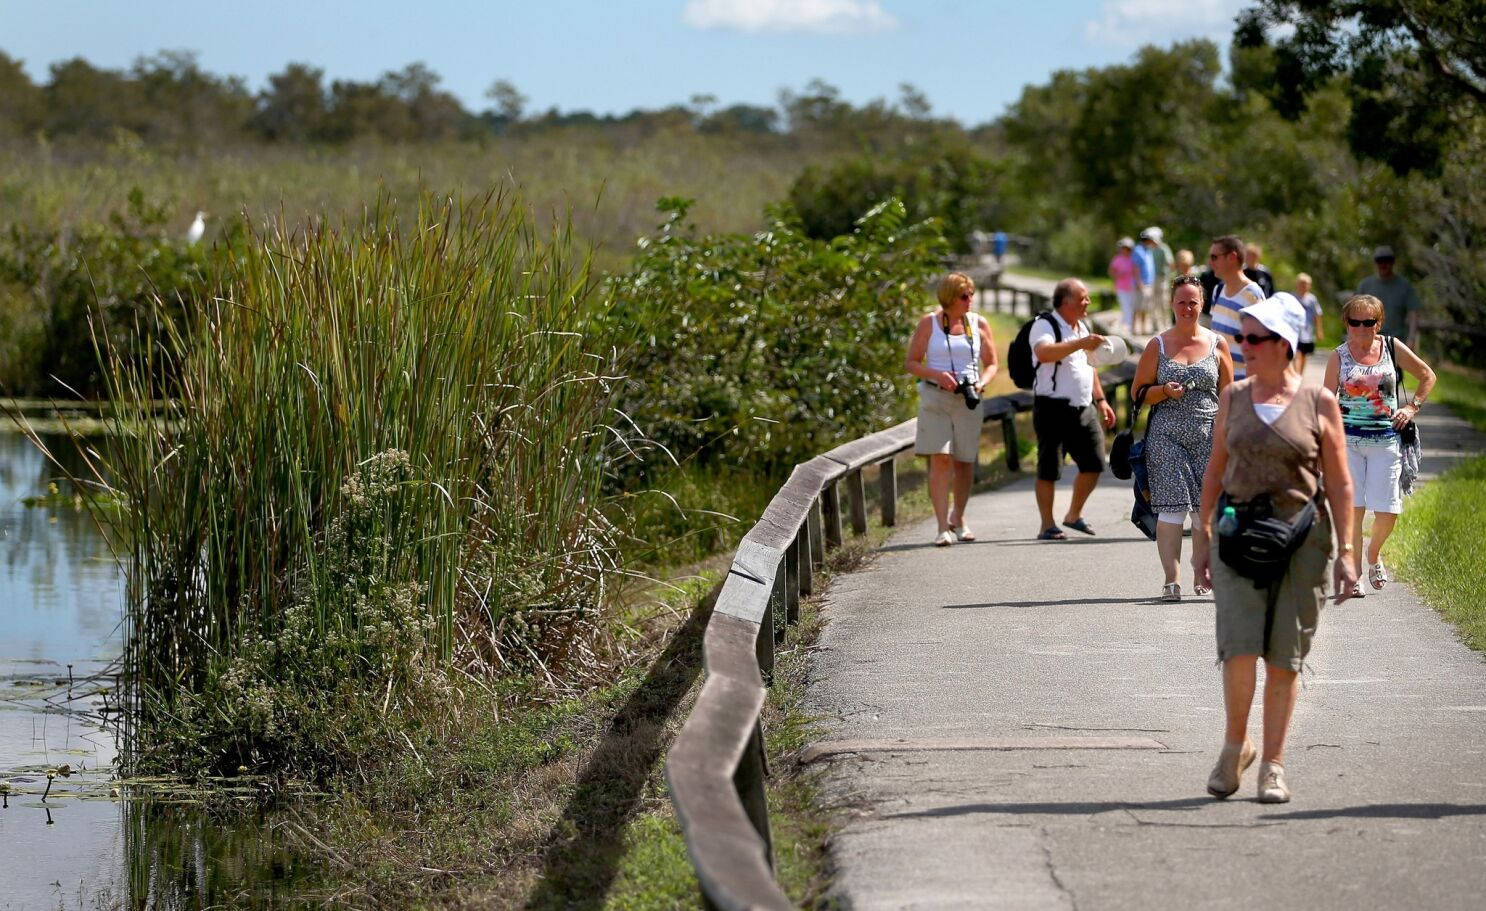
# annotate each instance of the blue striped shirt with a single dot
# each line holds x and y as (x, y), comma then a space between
(1226, 320)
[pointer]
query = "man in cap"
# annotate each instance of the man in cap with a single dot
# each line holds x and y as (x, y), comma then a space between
(1400, 301)
(1145, 287)
(1165, 264)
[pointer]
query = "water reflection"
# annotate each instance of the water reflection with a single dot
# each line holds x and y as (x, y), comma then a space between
(90, 842)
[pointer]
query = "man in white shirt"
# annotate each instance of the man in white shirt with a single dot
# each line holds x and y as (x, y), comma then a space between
(1068, 407)
(1234, 291)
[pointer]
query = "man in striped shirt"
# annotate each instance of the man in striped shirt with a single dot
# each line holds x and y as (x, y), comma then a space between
(1234, 292)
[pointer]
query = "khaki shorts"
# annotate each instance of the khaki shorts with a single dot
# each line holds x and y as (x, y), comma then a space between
(1297, 603)
(945, 425)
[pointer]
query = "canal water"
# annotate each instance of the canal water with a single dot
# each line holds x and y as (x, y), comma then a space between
(81, 839)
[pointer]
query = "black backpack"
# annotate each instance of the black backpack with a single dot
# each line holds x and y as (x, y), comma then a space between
(1019, 355)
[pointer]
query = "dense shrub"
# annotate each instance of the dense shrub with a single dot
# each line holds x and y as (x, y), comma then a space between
(63, 290)
(764, 350)
(947, 181)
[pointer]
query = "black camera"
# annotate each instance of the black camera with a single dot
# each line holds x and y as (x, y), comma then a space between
(966, 389)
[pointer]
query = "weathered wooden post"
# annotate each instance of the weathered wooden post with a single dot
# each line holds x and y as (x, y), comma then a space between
(1008, 437)
(887, 490)
(856, 501)
(753, 769)
(806, 563)
(792, 583)
(830, 508)
(817, 531)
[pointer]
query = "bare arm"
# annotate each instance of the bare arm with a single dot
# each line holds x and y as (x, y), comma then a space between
(1338, 482)
(1212, 485)
(1414, 366)
(1145, 375)
(1225, 363)
(1333, 373)
(988, 357)
(1047, 352)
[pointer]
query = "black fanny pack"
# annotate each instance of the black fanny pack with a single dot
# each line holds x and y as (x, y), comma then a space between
(1261, 546)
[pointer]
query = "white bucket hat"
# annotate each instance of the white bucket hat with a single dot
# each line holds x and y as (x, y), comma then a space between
(1282, 315)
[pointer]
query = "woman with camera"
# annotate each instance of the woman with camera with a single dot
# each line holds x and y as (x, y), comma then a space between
(1364, 373)
(953, 355)
(1183, 369)
(1273, 439)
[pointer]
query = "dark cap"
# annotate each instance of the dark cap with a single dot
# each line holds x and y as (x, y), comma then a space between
(1383, 252)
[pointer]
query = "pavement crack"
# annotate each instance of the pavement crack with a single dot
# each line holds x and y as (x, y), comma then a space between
(1052, 869)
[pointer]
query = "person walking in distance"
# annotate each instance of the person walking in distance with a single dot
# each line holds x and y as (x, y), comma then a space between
(953, 354)
(1274, 439)
(1069, 410)
(1232, 292)
(1310, 330)
(1122, 272)
(1400, 300)
(1165, 263)
(1182, 370)
(1145, 264)
(1257, 271)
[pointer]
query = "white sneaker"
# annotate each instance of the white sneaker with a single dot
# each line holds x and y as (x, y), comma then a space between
(1272, 787)
(944, 539)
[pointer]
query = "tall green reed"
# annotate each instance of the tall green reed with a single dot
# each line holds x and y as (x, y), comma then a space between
(380, 460)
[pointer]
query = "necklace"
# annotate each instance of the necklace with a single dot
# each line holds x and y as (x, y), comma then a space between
(1283, 392)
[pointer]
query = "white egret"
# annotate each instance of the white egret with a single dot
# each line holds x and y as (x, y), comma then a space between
(198, 228)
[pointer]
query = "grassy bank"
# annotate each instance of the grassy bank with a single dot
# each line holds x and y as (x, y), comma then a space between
(1435, 546)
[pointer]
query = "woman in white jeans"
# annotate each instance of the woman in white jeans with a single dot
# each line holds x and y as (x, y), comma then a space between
(1364, 374)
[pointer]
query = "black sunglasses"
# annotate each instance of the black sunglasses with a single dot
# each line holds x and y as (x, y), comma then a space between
(1369, 323)
(1253, 339)
(968, 296)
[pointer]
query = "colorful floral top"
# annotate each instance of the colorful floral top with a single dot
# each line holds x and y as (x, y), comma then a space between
(1368, 395)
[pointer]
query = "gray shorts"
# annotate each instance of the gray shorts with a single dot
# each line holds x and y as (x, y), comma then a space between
(1297, 602)
(945, 425)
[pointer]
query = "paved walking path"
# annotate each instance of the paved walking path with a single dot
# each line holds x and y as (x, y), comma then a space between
(1020, 724)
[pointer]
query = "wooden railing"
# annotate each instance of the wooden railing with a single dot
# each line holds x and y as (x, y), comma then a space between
(716, 767)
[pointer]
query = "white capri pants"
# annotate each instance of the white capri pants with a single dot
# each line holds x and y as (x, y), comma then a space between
(1375, 466)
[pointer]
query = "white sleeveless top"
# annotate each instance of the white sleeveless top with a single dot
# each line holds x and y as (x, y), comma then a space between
(962, 350)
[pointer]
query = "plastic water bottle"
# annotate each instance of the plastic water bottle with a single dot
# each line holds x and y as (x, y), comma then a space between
(1228, 521)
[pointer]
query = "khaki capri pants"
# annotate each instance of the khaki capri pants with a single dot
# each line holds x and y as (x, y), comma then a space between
(1297, 599)
(945, 425)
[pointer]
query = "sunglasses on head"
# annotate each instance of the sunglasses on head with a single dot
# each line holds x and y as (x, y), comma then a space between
(1369, 323)
(1253, 339)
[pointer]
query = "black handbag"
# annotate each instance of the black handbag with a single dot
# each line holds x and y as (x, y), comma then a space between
(1259, 548)
(1119, 451)
(1132, 457)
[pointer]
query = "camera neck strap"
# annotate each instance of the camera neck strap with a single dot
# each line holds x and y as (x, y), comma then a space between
(971, 338)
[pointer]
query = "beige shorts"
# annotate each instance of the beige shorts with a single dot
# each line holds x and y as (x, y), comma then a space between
(1297, 604)
(945, 425)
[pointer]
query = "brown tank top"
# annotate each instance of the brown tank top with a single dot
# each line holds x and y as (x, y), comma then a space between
(1282, 459)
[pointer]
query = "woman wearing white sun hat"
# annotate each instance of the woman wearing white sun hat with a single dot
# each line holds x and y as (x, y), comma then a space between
(1273, 440)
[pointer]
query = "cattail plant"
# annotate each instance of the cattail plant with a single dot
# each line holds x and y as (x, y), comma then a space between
(379, 459)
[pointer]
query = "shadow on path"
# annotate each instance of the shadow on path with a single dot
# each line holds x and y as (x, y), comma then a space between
(1388, 811)
(1060, 602)
(585, 846)
(1071, 808)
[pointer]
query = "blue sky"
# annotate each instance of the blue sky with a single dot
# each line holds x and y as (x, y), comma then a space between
(970, 58)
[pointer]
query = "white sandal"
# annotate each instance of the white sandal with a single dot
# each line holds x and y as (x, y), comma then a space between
(1171, 591)
(963, 532)
(944, 539)
(1378, 576)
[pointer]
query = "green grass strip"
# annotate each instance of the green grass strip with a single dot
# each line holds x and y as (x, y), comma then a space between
(1435, 547)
